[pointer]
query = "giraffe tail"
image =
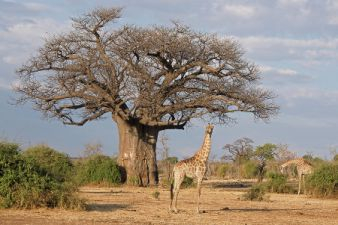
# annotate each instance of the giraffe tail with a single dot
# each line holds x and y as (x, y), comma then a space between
(171, 190)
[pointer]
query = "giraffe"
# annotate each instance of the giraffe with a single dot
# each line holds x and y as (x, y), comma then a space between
(194, 167)
(303, 168)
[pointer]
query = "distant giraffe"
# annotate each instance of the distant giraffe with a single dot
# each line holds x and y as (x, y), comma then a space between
(303, 168)
(194, 167)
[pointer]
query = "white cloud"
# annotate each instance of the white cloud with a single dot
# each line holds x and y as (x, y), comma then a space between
(277, 48)
(333, 20)
(5, 85)
(11, 59)
(34, 6)
(307, 122)
(328, 97)
(282, 72)
(242, 11)
(19, 40)
(292, 2)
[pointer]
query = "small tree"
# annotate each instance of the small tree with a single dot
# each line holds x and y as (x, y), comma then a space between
(238, 152)
(283, 154)
(93, 149)
(263, 154)
(165, 153)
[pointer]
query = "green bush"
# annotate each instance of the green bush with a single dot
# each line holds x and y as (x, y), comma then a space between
(250, 169)
(324, 181)
(55, 163)
(276, 182)
(255, 193)
(98, 169)
(24, 184)
(223, 170)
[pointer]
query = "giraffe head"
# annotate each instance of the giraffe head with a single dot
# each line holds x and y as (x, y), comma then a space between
(209, 129)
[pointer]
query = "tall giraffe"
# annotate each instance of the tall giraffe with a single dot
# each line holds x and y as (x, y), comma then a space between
(303, 168)
(194, 167)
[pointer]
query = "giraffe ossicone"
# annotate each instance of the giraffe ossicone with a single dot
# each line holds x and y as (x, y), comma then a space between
(194, 167)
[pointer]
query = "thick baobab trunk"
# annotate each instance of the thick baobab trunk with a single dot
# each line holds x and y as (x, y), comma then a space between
(137, 153)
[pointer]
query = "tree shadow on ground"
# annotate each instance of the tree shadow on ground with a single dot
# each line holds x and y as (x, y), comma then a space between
(104, 192)
(257, 209)
(106, 207)
(236, 184)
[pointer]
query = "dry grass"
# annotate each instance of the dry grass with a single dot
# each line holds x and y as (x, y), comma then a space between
(130, 205)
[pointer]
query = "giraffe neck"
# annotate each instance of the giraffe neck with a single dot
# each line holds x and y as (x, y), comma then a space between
(203, 153)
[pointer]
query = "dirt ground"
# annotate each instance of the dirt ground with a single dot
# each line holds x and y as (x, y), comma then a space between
(220, 205)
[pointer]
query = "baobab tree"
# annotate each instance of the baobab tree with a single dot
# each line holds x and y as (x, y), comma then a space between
(148, 79)
(238, 152)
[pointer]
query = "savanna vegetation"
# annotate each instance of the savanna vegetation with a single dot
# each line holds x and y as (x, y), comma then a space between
(40, 176)
(26, 182)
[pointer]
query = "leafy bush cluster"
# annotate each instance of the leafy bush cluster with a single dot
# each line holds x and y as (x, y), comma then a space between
(55, 163)
(250, 169)
(98, 169)
(324, 181)
(26, 184)
(255, 193)
(276, 182)
(223, 170)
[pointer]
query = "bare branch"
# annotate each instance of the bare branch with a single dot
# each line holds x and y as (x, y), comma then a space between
(157, 76)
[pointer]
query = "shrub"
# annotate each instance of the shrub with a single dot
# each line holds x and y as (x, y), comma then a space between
(255, 193)
(24, 184)
(324, 181)
(250, 169)
(55, 163)
(276, 182)
(223, 170)
(98, 169)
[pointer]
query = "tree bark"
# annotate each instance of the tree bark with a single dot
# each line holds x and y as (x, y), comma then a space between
(137, 152)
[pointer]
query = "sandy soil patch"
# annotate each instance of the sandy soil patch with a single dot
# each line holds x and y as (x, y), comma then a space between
(130, 205)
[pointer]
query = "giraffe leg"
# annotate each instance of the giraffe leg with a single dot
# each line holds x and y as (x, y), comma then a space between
(199, 181)
(299, 183)
(179, 177)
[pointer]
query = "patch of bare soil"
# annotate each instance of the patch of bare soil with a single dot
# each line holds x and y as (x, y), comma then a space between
(220, 205)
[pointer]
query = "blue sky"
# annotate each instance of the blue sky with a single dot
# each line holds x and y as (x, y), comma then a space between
(294, 42)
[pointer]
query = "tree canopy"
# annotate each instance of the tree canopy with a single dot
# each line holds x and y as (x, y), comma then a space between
(155, 76)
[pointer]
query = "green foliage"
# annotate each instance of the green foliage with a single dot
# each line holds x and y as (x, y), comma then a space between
(277, 183)
(172, 160)
(255, 193)
(249, 169)
(265, 152)
(24, 184)
(223, 170)
(314, 161)
(324, 181)
(98, 169)
(55, 163)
